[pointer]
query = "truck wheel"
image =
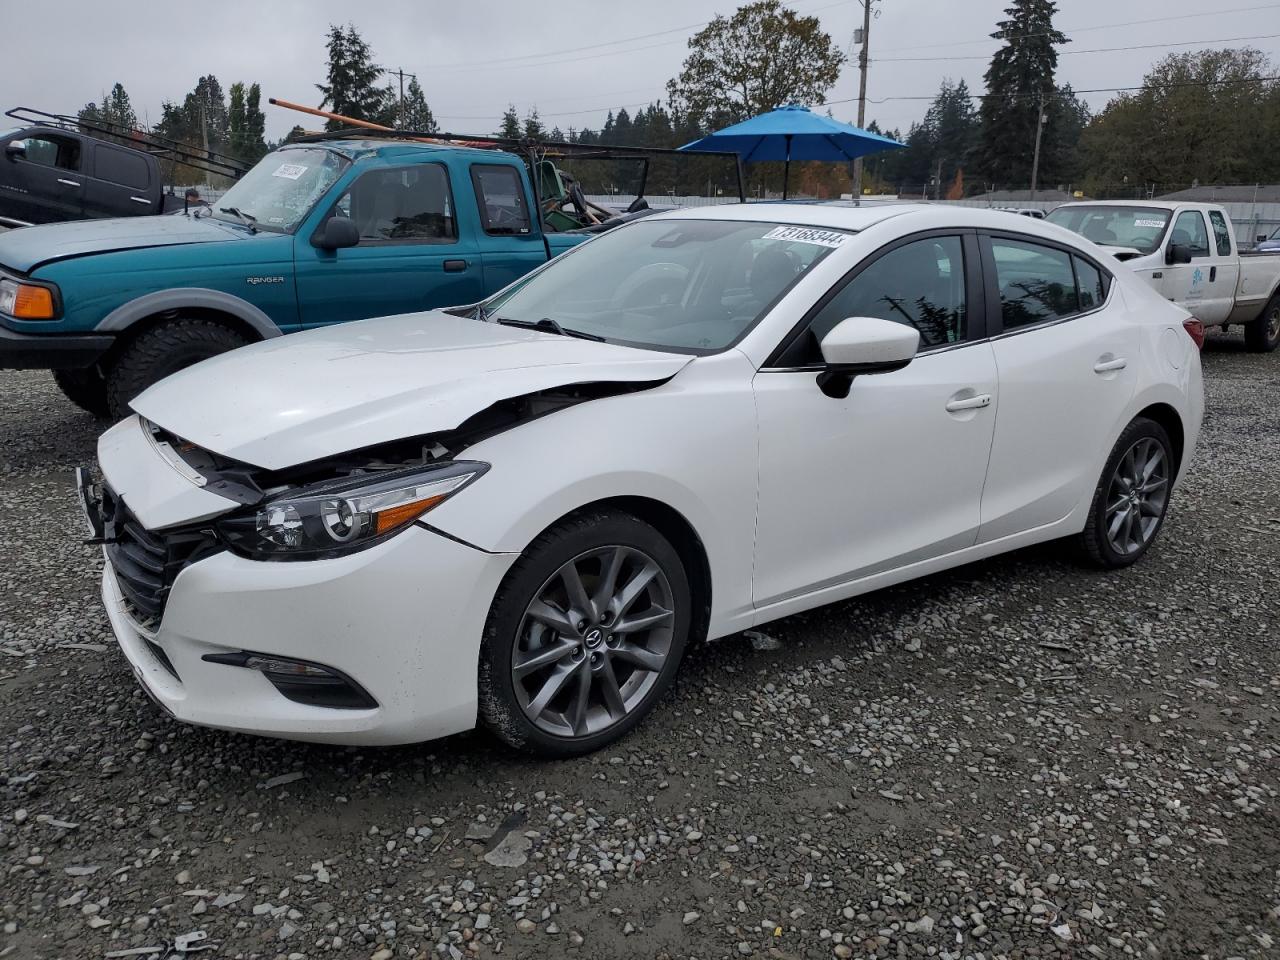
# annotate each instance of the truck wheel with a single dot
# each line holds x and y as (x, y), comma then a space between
(85, 388)
(1263, 334)
(162, 351)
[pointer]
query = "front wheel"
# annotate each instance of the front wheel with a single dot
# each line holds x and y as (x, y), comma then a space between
(1131, 498)
(161, 351)
(85, 388)
(584, 636)
(1263, 334)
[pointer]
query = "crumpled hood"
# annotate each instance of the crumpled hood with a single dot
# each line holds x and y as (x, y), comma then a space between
(26, 248)
(310, 395)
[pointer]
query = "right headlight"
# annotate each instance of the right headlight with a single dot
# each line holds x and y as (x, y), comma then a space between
(339, 517)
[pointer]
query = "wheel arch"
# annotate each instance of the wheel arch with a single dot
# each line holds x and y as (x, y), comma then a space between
(1171, 421)
(197, 302)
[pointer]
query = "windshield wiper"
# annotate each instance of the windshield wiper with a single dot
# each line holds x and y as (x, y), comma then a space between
(248, 219)
(546, 323)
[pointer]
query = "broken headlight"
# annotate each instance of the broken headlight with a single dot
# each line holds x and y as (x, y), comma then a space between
(344, 516)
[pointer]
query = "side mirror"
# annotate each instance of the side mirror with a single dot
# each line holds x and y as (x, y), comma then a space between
(862, 345)
(1177, 253)
(15, 149)
(336, 233)
(1261, 238)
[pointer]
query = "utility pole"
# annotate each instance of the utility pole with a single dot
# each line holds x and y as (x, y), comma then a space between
(862, 94)
(401, 74)
(1035, 160)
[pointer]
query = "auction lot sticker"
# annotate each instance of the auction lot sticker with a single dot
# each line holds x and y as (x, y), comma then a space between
(290, 171)
(823, 238)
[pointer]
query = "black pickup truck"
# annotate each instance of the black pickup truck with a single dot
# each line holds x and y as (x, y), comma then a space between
(54, 170)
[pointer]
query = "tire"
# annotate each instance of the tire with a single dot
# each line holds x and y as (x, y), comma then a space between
(620, 692)
(85, 388)
(1263, 334)
(161, 351)
(1108, 540)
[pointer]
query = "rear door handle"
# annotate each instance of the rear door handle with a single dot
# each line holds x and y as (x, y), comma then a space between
(68, 183)
(1107, 366)
(969, 403)
(455, 266)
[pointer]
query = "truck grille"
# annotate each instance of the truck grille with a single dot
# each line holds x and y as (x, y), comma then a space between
(147, 562)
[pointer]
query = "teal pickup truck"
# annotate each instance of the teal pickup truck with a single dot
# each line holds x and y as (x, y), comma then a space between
(318, 232)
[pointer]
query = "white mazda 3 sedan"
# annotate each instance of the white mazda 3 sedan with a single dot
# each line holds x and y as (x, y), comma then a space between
(522, 514)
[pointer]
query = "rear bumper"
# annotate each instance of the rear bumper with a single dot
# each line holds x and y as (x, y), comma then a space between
(51, 351)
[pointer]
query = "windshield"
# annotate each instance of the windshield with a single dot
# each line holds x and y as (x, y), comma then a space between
(282, 188)
(688, 285)
(1139, 227)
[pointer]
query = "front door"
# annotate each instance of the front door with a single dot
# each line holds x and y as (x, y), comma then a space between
(46, 183)
(1187, 284)
(1068, 363)
(412, 254)
(892, 474)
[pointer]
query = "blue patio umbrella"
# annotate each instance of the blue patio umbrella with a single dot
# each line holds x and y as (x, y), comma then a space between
(793, 133)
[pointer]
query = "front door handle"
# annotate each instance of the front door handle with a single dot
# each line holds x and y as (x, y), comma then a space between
(1213, 274)
(142, 200)
(1108, 366)
(969, 403)
(68, 183)
(455, 266)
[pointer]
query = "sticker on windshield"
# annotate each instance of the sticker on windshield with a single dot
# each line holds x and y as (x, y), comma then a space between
(1149, 223)
(823, 238)
(290, 171)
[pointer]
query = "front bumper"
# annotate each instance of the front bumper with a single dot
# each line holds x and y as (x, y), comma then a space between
(51, 351)
(402, 619)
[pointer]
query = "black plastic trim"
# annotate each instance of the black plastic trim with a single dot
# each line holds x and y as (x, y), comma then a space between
(50, 351)
(310, 691)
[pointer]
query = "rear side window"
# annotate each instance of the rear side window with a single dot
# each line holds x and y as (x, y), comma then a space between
(1037, 283)
(1092, 284)
(920, 284)
(120, 166)
(1189, 231)
(1221, 233)
(500, 194)
(407, 205)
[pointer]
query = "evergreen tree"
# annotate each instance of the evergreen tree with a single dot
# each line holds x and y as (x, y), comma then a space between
(118, 110)
(237, 124)
(255, 123)
(417, 114)
(510, 128)
(533, 128)
(558, 135)
(352, 89)
(1019, 80)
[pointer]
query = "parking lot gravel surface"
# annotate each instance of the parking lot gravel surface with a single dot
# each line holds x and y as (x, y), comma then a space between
(1019, 758)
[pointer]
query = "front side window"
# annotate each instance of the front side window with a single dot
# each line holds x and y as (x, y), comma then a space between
(408, 204)
(1188, 231)
(690, 285)
(52, 152)
(920, 284)
(500, 194)
(282, 188)
(1036, 283)
(1221, 233)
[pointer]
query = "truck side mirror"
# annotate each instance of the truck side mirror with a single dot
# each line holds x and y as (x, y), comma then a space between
(336, 233)
(15, 149)
(1177, 253)
(1261, 238)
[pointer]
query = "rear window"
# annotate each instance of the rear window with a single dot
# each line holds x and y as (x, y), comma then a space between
(500, 194)
(120, 166)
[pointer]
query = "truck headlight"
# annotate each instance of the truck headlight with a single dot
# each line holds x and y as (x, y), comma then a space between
(334, 518)
(26, 301)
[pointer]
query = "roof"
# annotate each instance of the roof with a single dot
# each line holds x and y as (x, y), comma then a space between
(389, 147)
(1237, 193)
(1003, 196)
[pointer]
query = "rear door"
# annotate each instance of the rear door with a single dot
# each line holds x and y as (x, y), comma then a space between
(45, 184)
(1224, 272)
(1067, 359)
(120, 184)
(415, 253)
(512, 241)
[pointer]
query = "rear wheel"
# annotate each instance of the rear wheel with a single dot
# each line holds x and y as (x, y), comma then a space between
(162, 351)
(85, 388)
(584, 636)
(1132, 496)
(1263, 334)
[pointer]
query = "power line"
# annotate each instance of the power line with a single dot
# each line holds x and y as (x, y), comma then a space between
(983, 96)
(1141, 46)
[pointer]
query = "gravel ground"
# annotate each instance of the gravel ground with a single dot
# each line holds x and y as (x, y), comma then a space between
(1019, 758)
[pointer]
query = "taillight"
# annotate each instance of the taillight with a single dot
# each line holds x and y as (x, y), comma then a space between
(1196, 331)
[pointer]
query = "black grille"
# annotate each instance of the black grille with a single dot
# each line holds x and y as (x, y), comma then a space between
(147, 562)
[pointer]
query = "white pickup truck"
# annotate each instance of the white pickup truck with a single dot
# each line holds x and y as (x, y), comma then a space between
(1188, 252)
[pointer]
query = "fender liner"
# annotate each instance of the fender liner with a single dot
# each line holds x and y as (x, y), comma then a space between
(124, 316)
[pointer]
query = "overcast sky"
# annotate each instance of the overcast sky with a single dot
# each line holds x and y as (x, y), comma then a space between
(573, 59)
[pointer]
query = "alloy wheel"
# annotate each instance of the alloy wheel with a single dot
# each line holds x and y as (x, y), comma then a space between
(1137, 495)
(593, 641)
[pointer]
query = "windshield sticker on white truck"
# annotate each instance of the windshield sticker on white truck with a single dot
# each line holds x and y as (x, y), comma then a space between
(290, 171)
(1158, 224)
(823, 238)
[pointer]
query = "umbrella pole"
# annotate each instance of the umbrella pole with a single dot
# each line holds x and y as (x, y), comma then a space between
(786, 168)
